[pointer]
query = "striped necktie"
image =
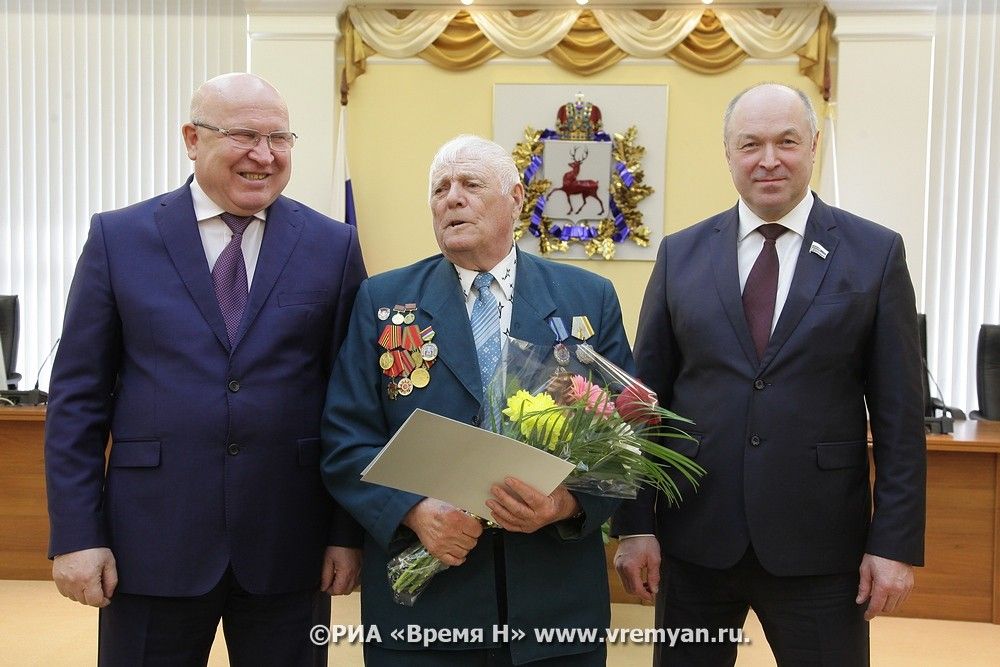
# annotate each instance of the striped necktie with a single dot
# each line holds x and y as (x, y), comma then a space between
(486, 328)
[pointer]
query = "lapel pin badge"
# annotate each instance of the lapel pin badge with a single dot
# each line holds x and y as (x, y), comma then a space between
(817, 249)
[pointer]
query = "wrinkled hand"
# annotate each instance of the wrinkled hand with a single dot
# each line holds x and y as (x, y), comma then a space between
(638, 564)
(521, 508)
(341, 569)
(885, 583)
(447, 532)
(88, 576)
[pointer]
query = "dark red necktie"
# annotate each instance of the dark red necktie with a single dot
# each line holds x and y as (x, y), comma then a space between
(761, 288)
(230, 275)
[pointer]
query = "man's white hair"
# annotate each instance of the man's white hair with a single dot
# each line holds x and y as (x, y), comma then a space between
(471, 147)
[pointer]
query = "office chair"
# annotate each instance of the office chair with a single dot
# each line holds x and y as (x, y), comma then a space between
(988, 373)
(10, 325)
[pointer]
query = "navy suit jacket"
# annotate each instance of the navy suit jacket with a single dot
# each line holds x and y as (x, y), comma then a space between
(783, 439)
(554, 578)
(214, 457)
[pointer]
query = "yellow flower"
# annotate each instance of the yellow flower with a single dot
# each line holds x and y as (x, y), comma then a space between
(537, 416)
(516, 403)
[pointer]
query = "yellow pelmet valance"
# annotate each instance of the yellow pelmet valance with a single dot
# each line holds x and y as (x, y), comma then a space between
(588, 41)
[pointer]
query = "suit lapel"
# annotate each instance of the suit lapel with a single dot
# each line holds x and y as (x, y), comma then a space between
(178, 228)
(445, 307)
(532, 303)
(281, 233)
(727, 278)
(810, 269)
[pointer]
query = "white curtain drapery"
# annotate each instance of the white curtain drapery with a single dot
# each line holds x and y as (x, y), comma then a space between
(94, 97)
(526, 36)
(400, 37)
(641, 37)
(762, 34)
(962, 244)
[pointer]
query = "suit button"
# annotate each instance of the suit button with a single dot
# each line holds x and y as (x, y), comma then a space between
(759, 384)
(475, 420)
(233, 449)
(755, 440)
(234, 386)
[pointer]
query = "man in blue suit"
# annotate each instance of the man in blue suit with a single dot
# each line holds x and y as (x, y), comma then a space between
(544, 567)
(199, 333)
(774, 325)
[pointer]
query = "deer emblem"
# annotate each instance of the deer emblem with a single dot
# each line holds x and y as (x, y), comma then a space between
(572, 186)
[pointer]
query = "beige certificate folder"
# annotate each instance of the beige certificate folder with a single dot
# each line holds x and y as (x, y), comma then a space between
(457, 463)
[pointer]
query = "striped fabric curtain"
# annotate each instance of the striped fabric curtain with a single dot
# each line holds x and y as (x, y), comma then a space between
(94, 94)
(962, 274)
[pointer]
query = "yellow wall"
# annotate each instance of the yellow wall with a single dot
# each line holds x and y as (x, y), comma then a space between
(400, 113)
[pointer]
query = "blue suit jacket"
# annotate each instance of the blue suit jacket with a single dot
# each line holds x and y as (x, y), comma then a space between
(554, 579)
(215, 449)
(784, 439)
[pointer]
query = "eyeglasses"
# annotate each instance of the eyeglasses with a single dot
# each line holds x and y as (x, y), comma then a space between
(245, 138)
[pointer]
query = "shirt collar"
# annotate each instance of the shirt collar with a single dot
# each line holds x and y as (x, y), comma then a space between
(503, 273)
(794, 220)
(205, 208)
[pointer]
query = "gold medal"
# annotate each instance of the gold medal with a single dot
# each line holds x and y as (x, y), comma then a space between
(581, 328)
(385, 361)
(408, 355)
(420, 377)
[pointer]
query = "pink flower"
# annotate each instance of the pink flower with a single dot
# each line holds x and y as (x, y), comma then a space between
(635, 404)
(597, 399)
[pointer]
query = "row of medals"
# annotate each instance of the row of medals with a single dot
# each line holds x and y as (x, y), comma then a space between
(422, 357)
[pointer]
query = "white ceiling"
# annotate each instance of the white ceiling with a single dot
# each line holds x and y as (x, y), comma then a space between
(336, 6)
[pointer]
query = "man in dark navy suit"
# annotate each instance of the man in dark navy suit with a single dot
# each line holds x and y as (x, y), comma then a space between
(781, 327)
(199, 334)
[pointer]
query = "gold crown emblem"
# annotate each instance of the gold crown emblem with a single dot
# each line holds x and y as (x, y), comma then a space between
(578, 120)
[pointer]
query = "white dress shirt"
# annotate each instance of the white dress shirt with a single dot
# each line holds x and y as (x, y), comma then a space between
(215, 234)
(502, 288)
(750, 242)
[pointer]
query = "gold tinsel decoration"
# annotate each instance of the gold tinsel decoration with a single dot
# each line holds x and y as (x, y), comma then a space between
(624, 150)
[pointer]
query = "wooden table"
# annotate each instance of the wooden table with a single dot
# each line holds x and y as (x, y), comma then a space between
(961, 577)
(24, 521)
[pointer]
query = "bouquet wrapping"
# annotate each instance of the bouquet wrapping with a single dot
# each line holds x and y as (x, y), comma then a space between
(574, 403)
(579, 406)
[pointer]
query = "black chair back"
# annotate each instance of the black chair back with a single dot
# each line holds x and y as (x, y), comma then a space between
(988, 372)
(10, 329)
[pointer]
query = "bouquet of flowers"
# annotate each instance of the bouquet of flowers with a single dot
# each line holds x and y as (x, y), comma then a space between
(574, 403)
(577, 405)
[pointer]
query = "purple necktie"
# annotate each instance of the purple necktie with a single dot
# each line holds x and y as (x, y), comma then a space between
(230, 275)
(761, 288)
